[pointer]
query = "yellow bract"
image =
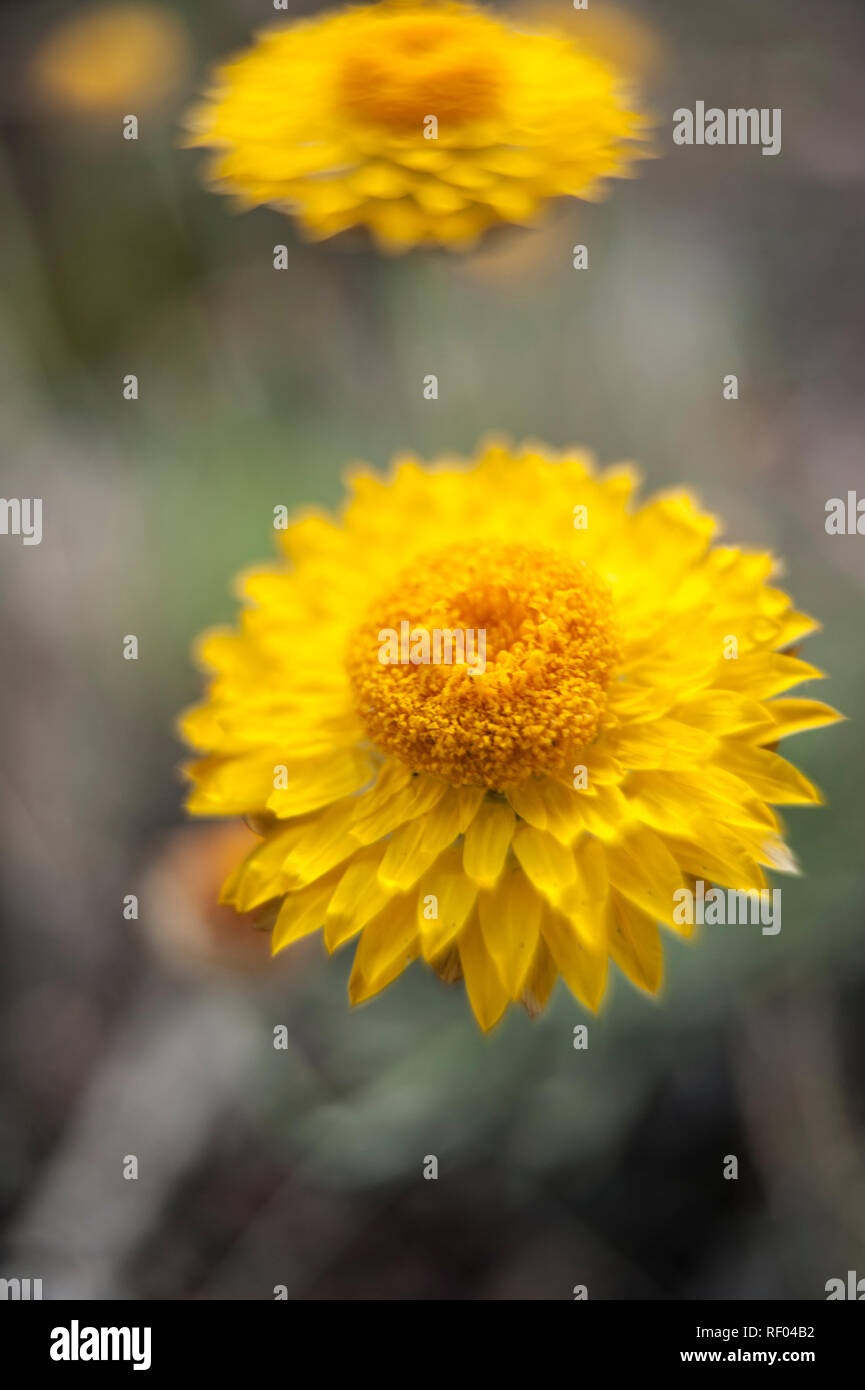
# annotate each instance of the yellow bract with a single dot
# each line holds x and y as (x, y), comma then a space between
(424, 122)
(540, 820)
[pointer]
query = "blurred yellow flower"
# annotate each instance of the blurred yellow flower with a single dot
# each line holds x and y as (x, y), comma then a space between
(426, 121)
(533, 816)
(113, 60)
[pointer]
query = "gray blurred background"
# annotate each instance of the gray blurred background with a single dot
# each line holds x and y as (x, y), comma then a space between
(302, 1167)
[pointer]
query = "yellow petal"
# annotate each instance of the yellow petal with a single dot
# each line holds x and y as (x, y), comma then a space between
(769, 775)
(487, 995)
(635, 943)
(231, 786)
(603, 768)
(387, 945)
(605, 813)
(470, 799)
(549, 864)
(380, 180)
(393, 777)
(723, 713)
(325, 842)
(441, 824)
(762, 674)
(261, 875)
(389, 809)
(300, 914)
(795, 627)
(432, 195)
(562, 811)
(717, 858)
(584, 901)
(487, 840)
(357, 898)
(794, 716)
(405, 858)
(666, 743)
(583, 971)
(311, 785)
(527, 799)
(642, 869)
(455, 895)
(510, 916)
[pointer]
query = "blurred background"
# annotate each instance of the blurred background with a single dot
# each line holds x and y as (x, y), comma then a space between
(302, 1167)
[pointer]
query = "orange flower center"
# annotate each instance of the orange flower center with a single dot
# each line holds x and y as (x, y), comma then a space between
(416, 66)
(487, 664)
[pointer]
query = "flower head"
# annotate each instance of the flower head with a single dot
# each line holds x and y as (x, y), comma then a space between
(531, 814)
(113, 58)
(426, 121)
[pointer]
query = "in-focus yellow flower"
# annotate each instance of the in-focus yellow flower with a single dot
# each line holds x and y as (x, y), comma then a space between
(535, 817)
(425, 121)
(113, 60)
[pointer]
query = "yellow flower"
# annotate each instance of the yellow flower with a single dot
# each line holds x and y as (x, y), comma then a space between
(426, 121)
(113, 60)
(528, 816)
